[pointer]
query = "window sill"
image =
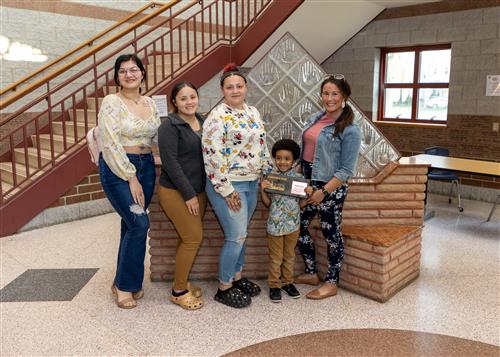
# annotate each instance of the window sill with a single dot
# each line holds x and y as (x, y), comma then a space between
(411, 124)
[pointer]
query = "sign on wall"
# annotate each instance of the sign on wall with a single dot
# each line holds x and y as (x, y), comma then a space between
(493, 85)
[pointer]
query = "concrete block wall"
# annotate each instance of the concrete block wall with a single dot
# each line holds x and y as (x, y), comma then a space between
(475, 47)
(45, 31)
(475, 39)
(473, 34)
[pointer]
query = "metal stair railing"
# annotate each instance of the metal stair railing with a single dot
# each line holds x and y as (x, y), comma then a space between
(66, 101)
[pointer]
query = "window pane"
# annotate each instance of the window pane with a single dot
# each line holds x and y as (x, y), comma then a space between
(399, 67)
(435, 66)
(433, 103)
(397, 103)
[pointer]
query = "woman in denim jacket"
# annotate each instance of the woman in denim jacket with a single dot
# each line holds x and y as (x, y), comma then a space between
(330, 143)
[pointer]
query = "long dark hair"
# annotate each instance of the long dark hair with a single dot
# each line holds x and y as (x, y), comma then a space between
(177, 88)
(125, 58)
(347, 117)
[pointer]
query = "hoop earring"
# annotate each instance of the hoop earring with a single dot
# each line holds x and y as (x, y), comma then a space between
(343, 104)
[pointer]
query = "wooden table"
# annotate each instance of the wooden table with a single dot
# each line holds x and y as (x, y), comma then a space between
(458, 164)
(455, 164)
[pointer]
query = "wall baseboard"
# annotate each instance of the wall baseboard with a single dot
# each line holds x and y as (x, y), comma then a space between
(67, 213)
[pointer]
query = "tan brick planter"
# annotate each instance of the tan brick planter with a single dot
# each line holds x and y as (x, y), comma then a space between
(394, 197)
(380, 260)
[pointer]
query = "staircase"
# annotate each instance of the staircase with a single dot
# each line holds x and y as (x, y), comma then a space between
(44, 154)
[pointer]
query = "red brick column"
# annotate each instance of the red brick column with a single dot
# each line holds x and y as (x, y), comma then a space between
(394, 197)
(163, 240)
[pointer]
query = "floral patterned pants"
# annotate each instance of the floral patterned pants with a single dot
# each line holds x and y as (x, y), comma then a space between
(330, 215)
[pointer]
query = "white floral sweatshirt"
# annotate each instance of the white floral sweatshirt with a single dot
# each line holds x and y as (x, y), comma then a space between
(234, 147)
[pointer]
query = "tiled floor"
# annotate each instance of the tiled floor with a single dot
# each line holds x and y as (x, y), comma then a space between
(457, 294)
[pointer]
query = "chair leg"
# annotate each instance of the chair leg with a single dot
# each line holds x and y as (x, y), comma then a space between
(451, 191)
(460, 208)
(493, 208)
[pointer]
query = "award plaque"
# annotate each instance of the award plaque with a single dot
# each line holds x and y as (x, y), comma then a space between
(287, 185)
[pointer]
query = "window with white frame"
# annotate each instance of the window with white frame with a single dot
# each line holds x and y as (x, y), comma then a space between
(414, 84)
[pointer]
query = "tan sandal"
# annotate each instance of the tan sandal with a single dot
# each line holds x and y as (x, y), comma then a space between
(195, 290)
(125, 303)
(324, 291)
(187, 301)
(136, 295)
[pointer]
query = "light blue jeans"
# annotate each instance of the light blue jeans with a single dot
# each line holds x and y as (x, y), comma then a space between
(234, 225)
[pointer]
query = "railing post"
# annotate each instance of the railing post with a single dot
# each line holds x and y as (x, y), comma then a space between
(51, 135)
(96, 92)
(26, 159)
(14, 174)
(230, 23)
(134, 43)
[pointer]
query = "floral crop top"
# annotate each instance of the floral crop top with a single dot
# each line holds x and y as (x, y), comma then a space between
(234, 147)
(118, 127)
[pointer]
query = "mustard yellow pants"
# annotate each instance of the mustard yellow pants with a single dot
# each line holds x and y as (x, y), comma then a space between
(188, 227)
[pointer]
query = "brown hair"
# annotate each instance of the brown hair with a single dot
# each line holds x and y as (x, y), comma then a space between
(177, 88)
(347, 117)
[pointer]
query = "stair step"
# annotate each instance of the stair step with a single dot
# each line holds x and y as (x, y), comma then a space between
(8, 175)
(80, 115)
(6, 186)
(58, 142)
(57, 128)
(167, 58)
(110, 90)
(32, 156)
(91, 102)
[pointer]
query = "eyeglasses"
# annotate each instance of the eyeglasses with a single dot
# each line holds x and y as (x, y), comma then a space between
(337, 76)
(134, 71)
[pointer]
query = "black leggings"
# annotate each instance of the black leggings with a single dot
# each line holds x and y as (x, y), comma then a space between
(330, 215)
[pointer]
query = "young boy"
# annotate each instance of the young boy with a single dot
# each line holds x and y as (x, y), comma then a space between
(283, 223)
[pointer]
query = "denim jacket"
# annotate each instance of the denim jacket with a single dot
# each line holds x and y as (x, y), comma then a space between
(334, 156)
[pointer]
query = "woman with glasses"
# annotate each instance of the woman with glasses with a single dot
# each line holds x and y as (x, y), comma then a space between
(235, 155)
(182, 187)
(330, 143)
(128, 123)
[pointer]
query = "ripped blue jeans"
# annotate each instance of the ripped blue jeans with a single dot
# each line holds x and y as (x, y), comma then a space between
(234, 225)
(135, 221)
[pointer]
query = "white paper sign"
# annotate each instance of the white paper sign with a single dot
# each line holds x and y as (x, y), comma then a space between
(493, 85)
(161, 104)
(298, 188)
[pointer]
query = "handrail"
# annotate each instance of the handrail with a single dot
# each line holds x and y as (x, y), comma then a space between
(62, 112)
(89, 42)
(86, 55)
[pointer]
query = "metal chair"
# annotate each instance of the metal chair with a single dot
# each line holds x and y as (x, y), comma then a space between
(497, 201)
(444, 175)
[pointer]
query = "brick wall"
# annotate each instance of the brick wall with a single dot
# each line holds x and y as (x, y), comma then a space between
(88, 189)
(397, 198)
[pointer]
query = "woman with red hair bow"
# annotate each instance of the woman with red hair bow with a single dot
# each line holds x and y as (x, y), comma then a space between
(235, 155)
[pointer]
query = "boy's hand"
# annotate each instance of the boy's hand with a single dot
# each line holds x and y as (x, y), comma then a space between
(265, 184)
(309, 190)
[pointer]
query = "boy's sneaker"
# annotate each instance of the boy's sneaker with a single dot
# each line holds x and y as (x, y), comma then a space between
(291, 290)
(275, 294)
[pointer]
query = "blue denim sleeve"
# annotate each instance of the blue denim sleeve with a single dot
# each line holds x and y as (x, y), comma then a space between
(351, 142)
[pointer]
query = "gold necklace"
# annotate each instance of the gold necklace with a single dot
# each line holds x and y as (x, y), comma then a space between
(133, 100)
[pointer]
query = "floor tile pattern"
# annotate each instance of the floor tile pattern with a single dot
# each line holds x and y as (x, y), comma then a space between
(46, 285)
(457, 294)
